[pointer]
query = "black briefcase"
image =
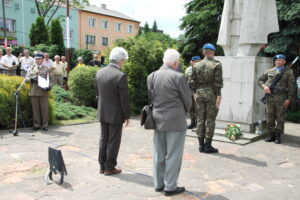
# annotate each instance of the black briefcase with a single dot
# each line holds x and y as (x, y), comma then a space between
(56, 165)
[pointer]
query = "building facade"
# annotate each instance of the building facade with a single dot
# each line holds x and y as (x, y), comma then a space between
(100, 27)
(20, 14)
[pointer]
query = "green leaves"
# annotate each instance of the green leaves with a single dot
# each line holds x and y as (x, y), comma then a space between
(233, 132)
(201, 25)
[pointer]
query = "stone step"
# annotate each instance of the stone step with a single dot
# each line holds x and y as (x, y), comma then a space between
(220, 136)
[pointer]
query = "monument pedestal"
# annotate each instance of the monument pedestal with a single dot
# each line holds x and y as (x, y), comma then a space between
(241, 94)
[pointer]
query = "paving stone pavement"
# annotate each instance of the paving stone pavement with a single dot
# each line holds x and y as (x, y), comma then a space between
(259, 170)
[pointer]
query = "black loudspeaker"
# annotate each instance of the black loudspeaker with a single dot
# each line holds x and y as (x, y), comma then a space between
(57, 165)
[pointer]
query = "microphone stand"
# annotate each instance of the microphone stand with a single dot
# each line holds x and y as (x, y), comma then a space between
(15, 132)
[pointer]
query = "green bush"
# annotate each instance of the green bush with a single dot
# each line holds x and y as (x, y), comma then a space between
(8, 85)
(61, 95)
(67, 111)
(83, 85)
(293, 116)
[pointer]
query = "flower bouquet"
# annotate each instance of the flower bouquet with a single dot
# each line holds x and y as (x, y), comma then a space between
(233, 132)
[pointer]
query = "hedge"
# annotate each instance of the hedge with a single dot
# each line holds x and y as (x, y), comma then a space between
(8, 85)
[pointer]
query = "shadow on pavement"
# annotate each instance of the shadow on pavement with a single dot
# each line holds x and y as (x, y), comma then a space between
(53, 132)
(207, 196)
(291, 140)
(136, 178)
(67, 186)
(242, 159)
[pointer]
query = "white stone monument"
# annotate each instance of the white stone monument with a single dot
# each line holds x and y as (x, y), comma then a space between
(245, 27)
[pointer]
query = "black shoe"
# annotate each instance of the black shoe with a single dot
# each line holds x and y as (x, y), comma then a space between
(193, 123)
(178, 190)
(159, 189)
(208, 148)
(271, 138)
(201, 144)
(277, 139)
(45, 129)
(35, 128)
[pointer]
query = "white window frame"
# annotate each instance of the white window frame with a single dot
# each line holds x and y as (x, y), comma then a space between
(87, 41)
(118, 27)
(104, 41)
(7, 3)
(130, 28)
(10, 24)
(92, 22)
(103, 24)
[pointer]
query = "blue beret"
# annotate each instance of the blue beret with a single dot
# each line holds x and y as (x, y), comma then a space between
(279, 56)
(38, 55)
(194, 58)
(209, 46)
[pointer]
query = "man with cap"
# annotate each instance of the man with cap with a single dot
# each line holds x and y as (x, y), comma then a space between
(279, 98)
(207, 76)
(188, 73)
(39, 93)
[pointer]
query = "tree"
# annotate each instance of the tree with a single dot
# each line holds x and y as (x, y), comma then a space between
(288, 39)
(201, 25)
(146, 28)
(47, 8)
(32, 36)
(154, 27)
(56, 35)
(140, 32)
(39, 32)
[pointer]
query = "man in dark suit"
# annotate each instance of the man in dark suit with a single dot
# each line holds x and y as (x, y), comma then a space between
(113, 109)
(171, 98)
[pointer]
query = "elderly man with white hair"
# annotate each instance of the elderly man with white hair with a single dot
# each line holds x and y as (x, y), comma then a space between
(171, 99)
(57, 72)
(26, 62)
(113, 109)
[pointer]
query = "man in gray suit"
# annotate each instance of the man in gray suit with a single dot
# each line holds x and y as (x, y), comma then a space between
(113, 109)
(171, 101)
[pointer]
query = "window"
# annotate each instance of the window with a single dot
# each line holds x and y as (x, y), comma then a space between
(104, 41)
(129, 28)
(90, 39)
(118, 27)
(92, 22)
(10, 24)
(7, 3)
(65, 33)
(104, 24)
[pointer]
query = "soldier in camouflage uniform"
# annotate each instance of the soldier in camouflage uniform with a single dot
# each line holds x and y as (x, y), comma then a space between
(188, 73)
(280, 97)
(207, 76)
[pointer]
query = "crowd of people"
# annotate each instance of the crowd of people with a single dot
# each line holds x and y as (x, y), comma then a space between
(10, 65)
(173, 95)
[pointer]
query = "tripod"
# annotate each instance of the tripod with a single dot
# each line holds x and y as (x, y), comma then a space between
(15, 132)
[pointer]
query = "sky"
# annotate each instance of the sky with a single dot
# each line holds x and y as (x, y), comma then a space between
(167, 13)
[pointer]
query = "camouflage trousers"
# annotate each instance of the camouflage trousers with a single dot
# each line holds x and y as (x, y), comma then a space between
(275, 114)
(207, 112)
(192, 111)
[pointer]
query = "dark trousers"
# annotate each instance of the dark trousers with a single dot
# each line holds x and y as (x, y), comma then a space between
(109, 145)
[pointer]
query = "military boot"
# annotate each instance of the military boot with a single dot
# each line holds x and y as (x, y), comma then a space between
(193, 123)
(208, 148)
(278, 138)
(201, 144)
(271, 138)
